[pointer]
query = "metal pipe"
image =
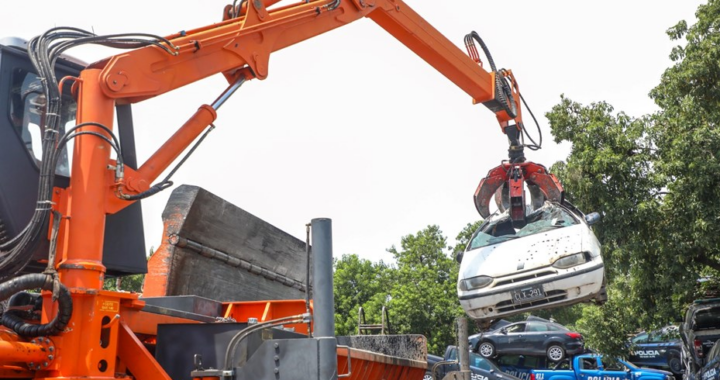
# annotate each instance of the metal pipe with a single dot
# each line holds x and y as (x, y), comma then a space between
(227, 93)
(323, 302)
(307, 277)
(463, 347)
(14, 350)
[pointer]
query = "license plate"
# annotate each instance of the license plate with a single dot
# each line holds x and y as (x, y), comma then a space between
(527, 294)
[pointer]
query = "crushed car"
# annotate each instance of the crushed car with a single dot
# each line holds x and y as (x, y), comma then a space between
(711, 370)
(535, 336)
(699, 332)
(661, 348)
(554, 260)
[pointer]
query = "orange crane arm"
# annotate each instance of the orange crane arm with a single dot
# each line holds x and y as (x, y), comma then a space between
(244, 44)
(239, 47)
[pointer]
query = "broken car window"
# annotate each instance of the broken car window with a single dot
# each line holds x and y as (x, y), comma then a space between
(499, 227)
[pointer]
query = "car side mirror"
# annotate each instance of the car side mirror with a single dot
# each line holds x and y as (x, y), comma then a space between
(592, 218)
(459, 257)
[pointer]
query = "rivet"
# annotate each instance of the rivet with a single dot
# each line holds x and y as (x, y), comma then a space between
(277, 345)
(45, 364)
(50, 357)
(277, 370)
(51, 348)
(32, 341)
(277, 358)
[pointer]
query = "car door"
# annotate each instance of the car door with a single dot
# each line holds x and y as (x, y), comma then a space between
(613, 370)
(588, 368)
(533, 341)
(639, 343)
(512, 338)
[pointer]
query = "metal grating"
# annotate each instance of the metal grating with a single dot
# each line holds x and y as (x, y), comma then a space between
(551, 296)
(529, 276)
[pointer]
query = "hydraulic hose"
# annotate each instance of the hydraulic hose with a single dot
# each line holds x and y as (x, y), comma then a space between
(12, 319)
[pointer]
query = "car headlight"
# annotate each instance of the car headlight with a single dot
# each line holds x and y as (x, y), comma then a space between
(570, 261)
(475, 282)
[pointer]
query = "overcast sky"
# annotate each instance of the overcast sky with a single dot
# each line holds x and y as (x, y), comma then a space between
(351, 125)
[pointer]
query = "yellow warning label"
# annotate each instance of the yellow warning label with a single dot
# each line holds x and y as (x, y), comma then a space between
(111, 306)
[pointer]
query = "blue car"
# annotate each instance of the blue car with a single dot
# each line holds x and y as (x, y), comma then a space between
(658, 349)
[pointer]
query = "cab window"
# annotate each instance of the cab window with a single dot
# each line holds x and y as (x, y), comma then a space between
(612, 365)
(588, 364)
(27, 116)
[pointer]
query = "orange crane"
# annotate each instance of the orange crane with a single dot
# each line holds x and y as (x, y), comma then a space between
(86, 332)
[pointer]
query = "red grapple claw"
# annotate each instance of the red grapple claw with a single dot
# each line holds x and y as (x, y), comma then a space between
(542, 185)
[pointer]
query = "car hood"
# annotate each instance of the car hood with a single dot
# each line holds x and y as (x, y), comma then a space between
(522, 254)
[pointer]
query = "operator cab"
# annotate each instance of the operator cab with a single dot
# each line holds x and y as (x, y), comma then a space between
(22, 104)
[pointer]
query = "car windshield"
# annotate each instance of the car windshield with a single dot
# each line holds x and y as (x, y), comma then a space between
(499, 227)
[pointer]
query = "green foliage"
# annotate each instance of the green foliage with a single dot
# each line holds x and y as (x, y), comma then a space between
(359, 282)
(655, 181)
(419, 290)
(132, 283)
(424, 298)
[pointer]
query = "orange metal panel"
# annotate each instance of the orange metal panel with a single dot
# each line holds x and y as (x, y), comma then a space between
(137, 358)
(266, 310)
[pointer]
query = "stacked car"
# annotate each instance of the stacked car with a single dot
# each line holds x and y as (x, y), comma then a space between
(700, 331)
(551, 261)
(532, 337)
(658, 349)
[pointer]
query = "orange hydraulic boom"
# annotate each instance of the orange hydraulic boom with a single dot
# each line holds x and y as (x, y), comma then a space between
(98, 341)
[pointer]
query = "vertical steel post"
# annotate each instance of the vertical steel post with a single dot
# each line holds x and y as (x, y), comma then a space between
(463, 347)
(323, 302)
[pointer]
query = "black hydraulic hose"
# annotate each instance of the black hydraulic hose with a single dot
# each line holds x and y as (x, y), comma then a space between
(12, 320)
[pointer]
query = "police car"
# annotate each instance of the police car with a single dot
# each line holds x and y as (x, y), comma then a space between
(480, 368)
(658, 349)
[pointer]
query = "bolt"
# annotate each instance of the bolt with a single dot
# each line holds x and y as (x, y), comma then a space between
(277, 358)
(50, 357)
(47, 340)
(45, 364)
(32, 341)
(277, 370)
(277, 345)
(51, 348)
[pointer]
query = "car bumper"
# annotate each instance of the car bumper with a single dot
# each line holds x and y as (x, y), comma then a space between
(573, 286)
(573, 348)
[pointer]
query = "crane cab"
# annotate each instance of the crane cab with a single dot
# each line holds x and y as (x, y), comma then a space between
(21, 120)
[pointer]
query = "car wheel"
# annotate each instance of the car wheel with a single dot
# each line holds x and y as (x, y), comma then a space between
(487, 350)
(675, 364)
(555, 353)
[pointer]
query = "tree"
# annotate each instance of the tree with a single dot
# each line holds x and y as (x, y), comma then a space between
(359, 282)
(655, 180)
(132, 283)
(424, 296)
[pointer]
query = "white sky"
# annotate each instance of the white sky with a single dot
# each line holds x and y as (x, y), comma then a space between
(353, 126)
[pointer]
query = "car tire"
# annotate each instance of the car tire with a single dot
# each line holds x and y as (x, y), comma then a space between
(555, 352)
(487, 350)
(675, 364)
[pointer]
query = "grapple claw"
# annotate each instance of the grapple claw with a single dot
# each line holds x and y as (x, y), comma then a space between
(495, 179)
(506, 182)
